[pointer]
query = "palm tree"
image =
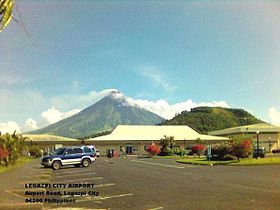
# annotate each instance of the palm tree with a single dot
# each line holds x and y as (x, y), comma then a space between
(167, 143)
(20, 142)
(6, 13)
(15, 145)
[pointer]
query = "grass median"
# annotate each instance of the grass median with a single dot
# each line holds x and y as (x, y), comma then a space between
(166, 157)
(242, 162)
(19, 162)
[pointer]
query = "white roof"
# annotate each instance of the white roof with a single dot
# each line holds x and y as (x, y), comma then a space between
(261, 127)
(153, 133)
(47, 137)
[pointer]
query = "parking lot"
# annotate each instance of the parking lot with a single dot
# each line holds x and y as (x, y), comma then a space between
(134, 183)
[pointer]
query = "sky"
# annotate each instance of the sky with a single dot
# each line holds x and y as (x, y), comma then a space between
(167, 56)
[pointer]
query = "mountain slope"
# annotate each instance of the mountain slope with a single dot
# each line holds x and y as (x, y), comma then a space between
(102, 116)
(205, 119)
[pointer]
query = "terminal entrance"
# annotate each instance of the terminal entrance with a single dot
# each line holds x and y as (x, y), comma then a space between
(128, 150)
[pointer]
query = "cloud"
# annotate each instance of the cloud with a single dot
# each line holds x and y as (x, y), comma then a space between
(9, 127)
(53, 115)
(162, 107)
(157, 77)
(30, 124)
(168, 111)
(74, 101)
(274, 116)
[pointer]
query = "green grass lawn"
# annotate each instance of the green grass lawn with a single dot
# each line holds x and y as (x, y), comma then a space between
(166, 157)
(20, 161)
(242, 162)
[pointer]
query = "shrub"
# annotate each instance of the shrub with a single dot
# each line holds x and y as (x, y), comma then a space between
(229, 157)
(198, 149)
(153, 149)
(178, 151)
(241, 149)
(4, 155)
(220, 150)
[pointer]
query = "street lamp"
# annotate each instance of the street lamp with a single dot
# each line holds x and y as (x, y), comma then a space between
(258, 145)
(246, 120)
(269, 144)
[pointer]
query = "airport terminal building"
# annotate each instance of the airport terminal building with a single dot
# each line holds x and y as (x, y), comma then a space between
(268, 134)
(134, 139)
(131, 139)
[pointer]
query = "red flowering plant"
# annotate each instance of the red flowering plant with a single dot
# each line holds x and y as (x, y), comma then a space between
(198, 149)
(153, 149)
(4, 154)
(241, 149)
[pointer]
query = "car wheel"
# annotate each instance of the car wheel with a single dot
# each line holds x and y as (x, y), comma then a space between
(85, 162)
(56, 165)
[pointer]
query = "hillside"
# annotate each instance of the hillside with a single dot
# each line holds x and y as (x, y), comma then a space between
(205, 119)
(102, 116)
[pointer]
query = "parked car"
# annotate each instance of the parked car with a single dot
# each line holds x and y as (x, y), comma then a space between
(274, 151)
(95, 150)
(259, 152)
(76, 156)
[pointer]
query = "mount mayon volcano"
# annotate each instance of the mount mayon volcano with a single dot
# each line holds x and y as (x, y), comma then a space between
(102, 116)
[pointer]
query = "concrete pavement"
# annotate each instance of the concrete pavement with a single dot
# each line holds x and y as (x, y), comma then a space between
(152, 184)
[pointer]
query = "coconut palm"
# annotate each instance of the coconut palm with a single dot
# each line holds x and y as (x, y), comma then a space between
(6, 13)
(167, 143)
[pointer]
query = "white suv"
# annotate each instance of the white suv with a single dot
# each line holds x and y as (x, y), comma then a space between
(69, 156)
(95, 150)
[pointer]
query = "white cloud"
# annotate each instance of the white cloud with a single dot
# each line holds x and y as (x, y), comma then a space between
(9, 127)
(30, 124)
(168, 111)
(274, 115)
(73, 101)
(163, 108)
(157, 77)
(53, 115)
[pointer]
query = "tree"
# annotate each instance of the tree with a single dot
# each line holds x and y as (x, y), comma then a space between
(14, 144)
(241, 149)
(199, 141)
(6, 13)
(167, 143)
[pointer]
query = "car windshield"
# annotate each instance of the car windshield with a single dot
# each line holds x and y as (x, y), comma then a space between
(92, 148)
(59, 151)
(259, 150)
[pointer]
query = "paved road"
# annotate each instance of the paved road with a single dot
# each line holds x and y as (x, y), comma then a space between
(164, 184)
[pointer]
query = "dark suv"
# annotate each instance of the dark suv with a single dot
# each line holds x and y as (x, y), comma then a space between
(259, 152)
(76, 156)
